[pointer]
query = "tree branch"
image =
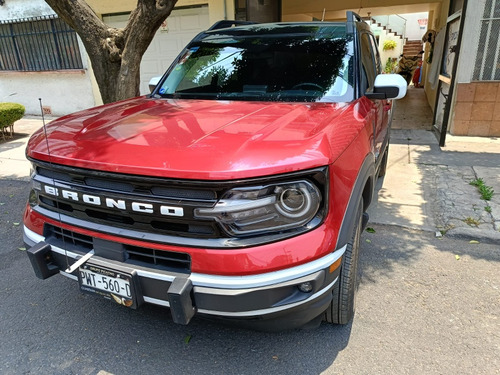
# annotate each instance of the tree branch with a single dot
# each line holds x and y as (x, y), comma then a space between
(147, 18)
(115, 53)
(80, 17)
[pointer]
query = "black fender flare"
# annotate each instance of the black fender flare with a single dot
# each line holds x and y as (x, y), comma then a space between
(363, 188)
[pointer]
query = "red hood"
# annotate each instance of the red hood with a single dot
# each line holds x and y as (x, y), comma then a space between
(195, 139)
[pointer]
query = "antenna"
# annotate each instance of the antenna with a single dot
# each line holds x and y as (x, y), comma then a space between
(87, 256)
(45, 132)
(323, 18)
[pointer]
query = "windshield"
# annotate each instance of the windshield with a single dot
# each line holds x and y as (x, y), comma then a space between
(297, 67)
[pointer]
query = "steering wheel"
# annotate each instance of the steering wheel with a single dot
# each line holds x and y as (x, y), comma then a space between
(310, 84)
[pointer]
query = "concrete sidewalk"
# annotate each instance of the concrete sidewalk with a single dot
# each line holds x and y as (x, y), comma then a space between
(426, 187)
(13, 163)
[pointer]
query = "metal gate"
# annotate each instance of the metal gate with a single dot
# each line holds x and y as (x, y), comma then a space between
(448, 68)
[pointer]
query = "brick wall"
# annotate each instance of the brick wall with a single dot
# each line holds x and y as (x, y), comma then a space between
(477, 109)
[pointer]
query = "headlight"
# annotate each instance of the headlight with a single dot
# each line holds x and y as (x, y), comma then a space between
(274, 207)
(33, 198)
(36, 187)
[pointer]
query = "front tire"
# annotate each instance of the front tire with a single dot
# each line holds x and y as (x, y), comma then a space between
(341, 309)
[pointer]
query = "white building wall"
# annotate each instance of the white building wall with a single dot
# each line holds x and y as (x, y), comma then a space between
(413, 30)
(13, 10)
(64, 91)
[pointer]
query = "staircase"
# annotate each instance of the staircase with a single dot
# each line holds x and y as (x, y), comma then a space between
(392, 24)
(412, 48)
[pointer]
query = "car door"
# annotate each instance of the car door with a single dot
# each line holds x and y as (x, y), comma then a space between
(372, 67)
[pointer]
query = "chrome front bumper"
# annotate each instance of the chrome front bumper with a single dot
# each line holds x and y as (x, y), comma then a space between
(266, 296)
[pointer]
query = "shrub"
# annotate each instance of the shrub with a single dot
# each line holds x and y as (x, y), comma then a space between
(10, 113)
(389, 44)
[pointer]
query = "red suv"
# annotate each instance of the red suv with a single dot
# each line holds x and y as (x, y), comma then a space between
(236, 190)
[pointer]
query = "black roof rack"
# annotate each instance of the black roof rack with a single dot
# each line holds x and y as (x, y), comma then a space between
(229, 23)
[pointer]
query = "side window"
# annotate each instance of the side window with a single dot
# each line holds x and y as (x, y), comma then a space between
(368, 60)
(378, 62)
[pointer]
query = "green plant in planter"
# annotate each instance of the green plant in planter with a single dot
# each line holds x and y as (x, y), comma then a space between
(390, 65)
(9, 113)
(389, 45)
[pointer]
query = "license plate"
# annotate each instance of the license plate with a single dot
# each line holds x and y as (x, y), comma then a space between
(110, 284)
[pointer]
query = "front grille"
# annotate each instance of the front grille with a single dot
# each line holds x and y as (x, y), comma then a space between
(161, 259)
(133, 255)
(129, 190)
(153, 209)
(67, 239)
(148, 187)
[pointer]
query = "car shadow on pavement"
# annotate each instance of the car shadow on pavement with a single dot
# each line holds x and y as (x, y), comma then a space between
(51, 328)
(75, 333)
(428, 188)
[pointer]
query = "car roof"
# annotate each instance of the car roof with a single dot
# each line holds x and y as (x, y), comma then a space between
(278, 29)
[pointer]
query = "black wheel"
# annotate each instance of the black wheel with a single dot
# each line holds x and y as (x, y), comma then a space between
(383, 164)
(341, 309)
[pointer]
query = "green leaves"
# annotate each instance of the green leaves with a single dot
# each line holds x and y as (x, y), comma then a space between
(10, 113)
(485, 190)
(370, 230)
(477, 182)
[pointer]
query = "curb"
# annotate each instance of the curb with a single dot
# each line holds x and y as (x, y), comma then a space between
(481, 235)
(423, 228)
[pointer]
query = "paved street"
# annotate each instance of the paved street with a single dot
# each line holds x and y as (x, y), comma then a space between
(419, 311)
(425, 305)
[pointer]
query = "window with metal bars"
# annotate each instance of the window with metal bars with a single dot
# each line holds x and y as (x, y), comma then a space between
(487, 66)
(38, 44)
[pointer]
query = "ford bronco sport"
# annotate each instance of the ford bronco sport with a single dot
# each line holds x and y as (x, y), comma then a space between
(236, 190)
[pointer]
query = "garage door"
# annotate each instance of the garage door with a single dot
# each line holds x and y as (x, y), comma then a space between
(180, 27)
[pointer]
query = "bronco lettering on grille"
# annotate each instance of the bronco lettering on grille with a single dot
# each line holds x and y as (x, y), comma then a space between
(120, 204)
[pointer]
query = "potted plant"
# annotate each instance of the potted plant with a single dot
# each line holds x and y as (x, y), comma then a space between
(389, 45)
(390, 65)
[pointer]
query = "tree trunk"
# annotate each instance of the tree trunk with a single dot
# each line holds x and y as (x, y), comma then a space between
(115, 54)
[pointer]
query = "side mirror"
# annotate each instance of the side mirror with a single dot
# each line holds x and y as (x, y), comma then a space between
(388, 86)
(153, 82)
